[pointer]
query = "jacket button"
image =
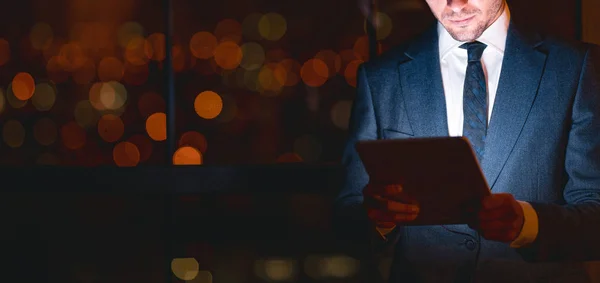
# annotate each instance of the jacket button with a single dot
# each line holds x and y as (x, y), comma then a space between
(470, 244)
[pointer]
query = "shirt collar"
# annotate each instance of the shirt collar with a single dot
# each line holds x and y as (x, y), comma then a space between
(494, 36)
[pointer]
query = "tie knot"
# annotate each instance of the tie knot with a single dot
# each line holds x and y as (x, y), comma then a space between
(474, 49)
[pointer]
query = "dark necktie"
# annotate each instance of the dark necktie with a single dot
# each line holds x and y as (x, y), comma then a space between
(475, 106)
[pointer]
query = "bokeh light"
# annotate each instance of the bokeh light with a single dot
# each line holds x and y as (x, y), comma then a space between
(272, 26)
(156, 126)
(72, 136)
(203, 45)
(135, 51)
(208, 104)
(94, 96)
(71, 57)
(12, 99)
(44, 96)
(23, 86)
(53, 49)
(321, 267)
(250, 26)
(351, 70)
(229, 30)
(85, 115)
(113, 95)
(110, 127)
(126, 154)
(13, 133)
(340, 113)
(314, 73)
(250, 80)
(150, 103)
(155, 47)
(253, 56)
(228, 55)
(4, 51)
(128, 31)
(204, 276)
(45, 131)
(383, 25)
(292, 71)
(185, 268)
(143, 144)
(110, 69)
(276, 270)
(361, 47)
(272, 78)
(331, 59)
(195, 140)
(187, 155)
(41, 36)
(347, 56)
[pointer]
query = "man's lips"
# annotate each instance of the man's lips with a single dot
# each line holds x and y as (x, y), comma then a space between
(462, 21)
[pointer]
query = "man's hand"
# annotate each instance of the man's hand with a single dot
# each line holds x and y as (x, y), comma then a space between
(500, 218)
(387, 205)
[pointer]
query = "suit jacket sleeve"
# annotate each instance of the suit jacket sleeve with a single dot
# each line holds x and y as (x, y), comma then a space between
(571, 231)
(353, 228)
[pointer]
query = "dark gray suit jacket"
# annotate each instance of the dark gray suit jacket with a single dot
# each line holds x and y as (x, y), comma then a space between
(542, 146)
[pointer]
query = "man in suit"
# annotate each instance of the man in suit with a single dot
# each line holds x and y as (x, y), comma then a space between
(529, 105)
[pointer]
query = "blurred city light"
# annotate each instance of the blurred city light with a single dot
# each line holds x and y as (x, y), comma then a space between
(203, 45)
(228, 55)
(195, 140)
(110, 128)
(156, 126)
(72, 136)
(187, 155)
(229, 30)
(185, 268)
(13, 133)
(272, 26)
(126, 154)
(208, 104)
(41, 36)
(314, 72)
(143, 144)
(23, 86)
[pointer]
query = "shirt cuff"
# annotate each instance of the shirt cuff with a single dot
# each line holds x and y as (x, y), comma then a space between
(530, 228)
(384, 231)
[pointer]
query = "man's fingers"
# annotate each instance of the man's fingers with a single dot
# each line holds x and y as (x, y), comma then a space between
(382, 216)
(391, 190)
(398, 207)
(496, 200)
(499, 213)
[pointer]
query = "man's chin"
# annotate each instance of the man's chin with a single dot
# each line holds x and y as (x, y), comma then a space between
(464, 35)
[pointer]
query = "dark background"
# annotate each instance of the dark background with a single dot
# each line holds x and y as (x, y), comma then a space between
(73, 216)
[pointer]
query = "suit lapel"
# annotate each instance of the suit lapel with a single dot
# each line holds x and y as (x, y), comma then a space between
(522, 69)
(421, 87)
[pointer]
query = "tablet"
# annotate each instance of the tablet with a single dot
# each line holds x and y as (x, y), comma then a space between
(442, 174)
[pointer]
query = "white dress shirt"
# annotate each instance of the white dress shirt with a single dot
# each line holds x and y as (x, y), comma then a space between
(453, 63)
